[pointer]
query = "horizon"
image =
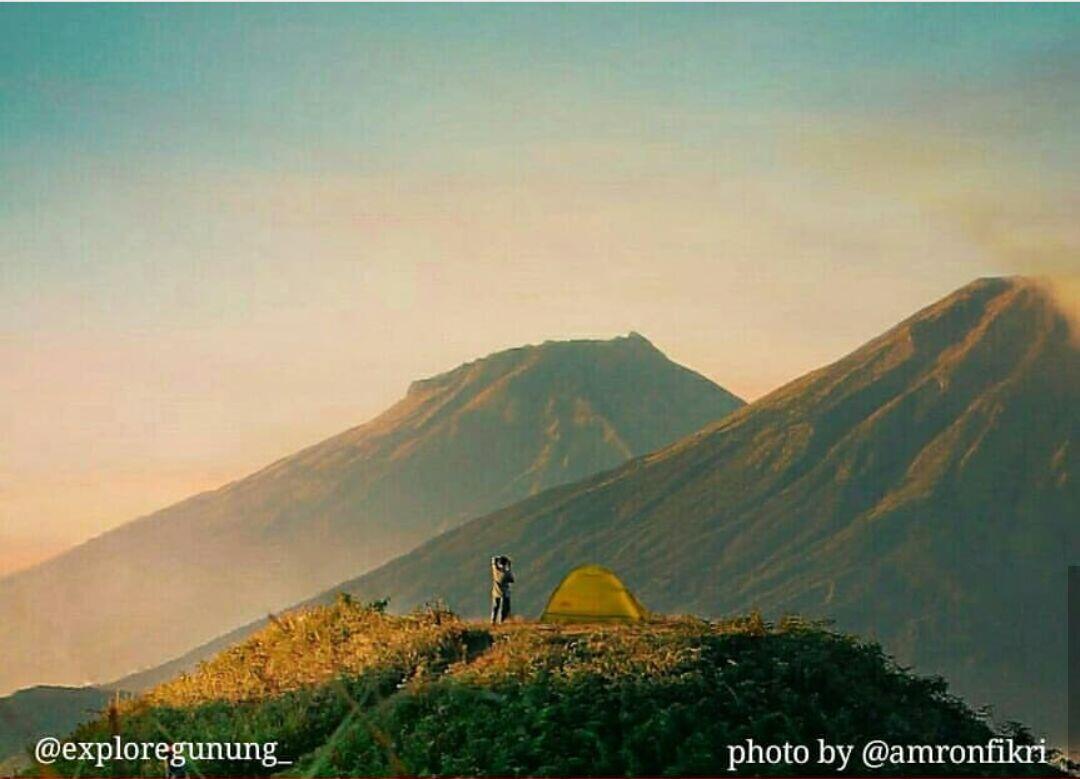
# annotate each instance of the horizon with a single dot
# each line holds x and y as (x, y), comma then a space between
(230, 232)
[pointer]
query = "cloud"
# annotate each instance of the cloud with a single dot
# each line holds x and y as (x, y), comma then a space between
(1018, 214)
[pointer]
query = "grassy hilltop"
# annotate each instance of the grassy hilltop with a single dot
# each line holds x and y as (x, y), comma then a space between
(351, 690)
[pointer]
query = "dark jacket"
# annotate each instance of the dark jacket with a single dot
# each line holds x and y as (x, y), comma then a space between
(501, 579)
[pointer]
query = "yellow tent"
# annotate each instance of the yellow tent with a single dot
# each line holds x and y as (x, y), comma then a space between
(592, 593)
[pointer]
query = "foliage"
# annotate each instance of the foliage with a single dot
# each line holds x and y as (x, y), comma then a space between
(428, 694)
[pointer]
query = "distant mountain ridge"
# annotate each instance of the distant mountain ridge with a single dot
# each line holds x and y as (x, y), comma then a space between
(459, 444)
(923, 490)
(42, 711)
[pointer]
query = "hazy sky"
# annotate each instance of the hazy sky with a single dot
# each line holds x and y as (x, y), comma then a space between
(229, 231)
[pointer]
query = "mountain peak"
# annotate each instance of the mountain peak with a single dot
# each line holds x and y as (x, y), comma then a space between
(636, 340)
(556, 349)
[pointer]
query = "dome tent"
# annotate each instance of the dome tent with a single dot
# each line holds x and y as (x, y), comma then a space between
(592, 593)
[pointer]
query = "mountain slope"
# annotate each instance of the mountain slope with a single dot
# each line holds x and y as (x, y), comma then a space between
(43, 711)
(462, 443)
(923, 490)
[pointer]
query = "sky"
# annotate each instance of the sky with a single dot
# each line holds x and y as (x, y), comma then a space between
(227, 232)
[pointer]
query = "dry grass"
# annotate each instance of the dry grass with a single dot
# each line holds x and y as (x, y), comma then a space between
(309, 647)
(523, 650)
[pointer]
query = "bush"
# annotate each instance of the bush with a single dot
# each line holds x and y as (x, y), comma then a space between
(350, 690)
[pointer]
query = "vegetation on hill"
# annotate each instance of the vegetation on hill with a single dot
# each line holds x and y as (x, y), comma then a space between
(351, 690)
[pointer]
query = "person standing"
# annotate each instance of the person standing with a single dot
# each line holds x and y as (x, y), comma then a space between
(501, 579)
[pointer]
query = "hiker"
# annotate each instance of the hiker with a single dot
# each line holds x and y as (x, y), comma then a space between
(501, 579)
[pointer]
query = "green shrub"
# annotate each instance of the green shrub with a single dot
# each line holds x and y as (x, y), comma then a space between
(428, 694)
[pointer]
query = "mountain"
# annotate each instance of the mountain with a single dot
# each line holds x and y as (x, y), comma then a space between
(924, 491)
(457, 445)
(43, 711)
